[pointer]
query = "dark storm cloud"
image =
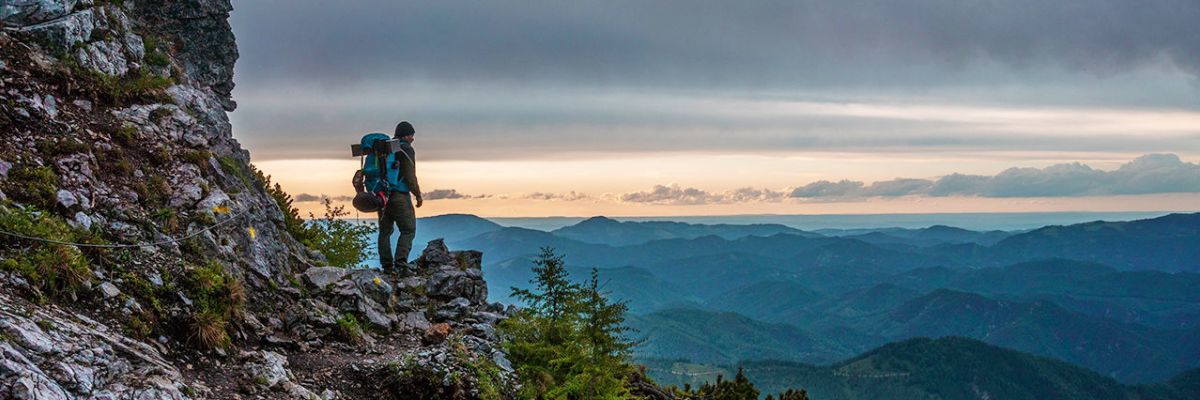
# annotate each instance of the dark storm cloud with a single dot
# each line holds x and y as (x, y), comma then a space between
(699, 43)
(1148, 174)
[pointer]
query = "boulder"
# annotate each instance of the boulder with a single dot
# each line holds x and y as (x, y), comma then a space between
(109, 290)
(436, 333)
(454, 309)
(372, 283)
(321, 277)
(435, 255)
(449, 283)
(414, 321)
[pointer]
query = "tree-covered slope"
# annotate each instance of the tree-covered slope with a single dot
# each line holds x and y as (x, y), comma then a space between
(927, 369)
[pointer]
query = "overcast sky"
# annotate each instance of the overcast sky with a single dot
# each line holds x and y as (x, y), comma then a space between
(787, 93)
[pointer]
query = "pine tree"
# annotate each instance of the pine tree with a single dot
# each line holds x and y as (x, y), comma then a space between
(602, 324)
(554, 294)
(567, 343)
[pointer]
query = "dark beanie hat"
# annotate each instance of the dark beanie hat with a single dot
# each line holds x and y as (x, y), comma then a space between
(404, 129)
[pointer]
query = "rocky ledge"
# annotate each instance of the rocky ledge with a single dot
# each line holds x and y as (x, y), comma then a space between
(416, 332)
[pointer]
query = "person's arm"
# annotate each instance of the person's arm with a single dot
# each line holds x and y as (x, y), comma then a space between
(410, 173)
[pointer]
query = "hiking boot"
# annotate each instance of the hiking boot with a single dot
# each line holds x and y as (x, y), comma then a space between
(388, 268)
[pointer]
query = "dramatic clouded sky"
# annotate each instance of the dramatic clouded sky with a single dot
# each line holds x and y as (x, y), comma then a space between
(714, 107)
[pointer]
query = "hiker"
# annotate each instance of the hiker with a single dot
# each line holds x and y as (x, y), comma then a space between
(398, 210)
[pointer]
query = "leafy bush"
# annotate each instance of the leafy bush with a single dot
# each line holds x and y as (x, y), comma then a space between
(343, 243)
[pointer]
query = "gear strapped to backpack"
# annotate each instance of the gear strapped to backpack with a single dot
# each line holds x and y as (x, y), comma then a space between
(379, 174)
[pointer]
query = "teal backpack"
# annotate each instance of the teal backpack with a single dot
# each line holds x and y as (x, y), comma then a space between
(379, 174)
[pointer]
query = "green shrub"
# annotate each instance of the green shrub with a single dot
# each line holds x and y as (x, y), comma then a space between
(349, 329)
(218, 297)
(154, 56)
(234, 167)
(125, 134)
(114, 162)
(37, 186)
(54, 148)
(292, 223)
(136, 86)
(157, 191)
(198, 157)
(54, 269)
(343, 243)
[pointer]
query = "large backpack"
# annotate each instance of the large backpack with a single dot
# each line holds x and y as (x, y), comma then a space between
(378, 176)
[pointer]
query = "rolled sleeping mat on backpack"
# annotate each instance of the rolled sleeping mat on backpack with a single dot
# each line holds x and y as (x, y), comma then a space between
(369, 202)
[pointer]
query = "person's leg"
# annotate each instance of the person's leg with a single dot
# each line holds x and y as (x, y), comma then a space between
(384, 244)
(406, 220)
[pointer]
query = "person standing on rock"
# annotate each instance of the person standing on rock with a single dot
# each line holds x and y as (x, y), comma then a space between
(399, 209)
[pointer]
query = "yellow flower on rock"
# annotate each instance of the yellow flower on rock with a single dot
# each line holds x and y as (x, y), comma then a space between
(378, 281)
(221, 210)
(251, 231)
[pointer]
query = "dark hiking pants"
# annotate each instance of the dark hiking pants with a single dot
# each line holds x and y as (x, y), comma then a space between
(399, 213)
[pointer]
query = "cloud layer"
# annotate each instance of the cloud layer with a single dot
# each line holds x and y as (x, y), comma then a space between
(491, 80)
(1148, 174)
(699, 43)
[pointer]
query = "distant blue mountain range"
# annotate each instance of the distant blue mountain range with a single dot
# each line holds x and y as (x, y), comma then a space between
(1121, 298)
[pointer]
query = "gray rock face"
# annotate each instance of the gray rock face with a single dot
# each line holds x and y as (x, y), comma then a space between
(454, 309)
(53, 354)
(26, 12)
(414, 322)
(450, 282)
(321, 278)
(268, 370)
(435, 254)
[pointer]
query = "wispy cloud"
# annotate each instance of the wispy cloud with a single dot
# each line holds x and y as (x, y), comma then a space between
(673, 194)
(569, 196)
(309, 198)
(1148, 174)
(450, 194)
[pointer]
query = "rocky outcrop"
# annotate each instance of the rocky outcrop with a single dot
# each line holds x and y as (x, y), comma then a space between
(50, 353)
(117, 133)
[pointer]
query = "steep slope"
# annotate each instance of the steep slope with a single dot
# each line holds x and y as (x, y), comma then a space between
(1167, 243)
(926, 369)
(1156, 299)
(703, 276)
(722, 338)
(1129, 353)
(765, 300)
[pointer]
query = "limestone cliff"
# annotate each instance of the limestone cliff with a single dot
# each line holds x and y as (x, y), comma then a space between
(188, 285)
